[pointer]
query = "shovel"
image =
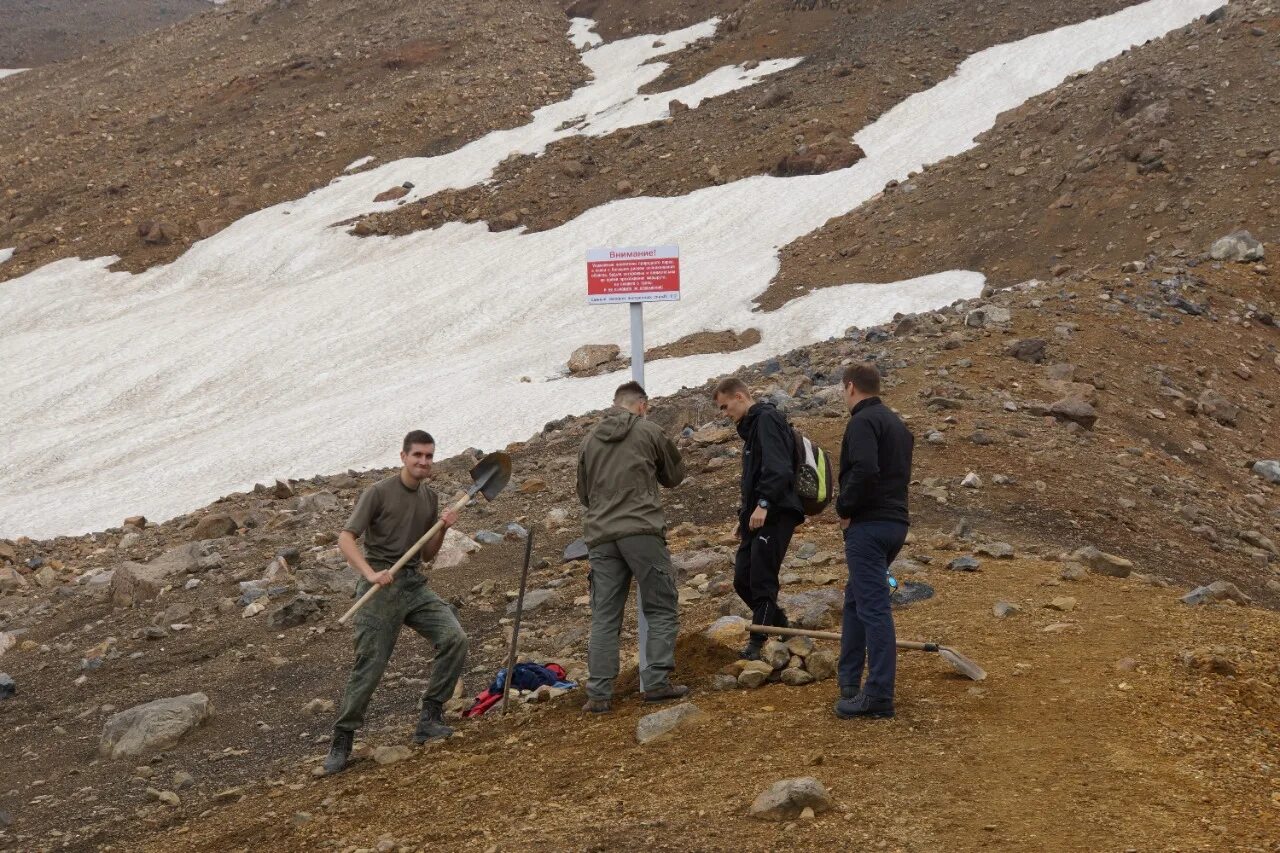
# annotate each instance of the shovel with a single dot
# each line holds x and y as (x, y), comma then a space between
(489, 478)
(515, 626)
(958, 662)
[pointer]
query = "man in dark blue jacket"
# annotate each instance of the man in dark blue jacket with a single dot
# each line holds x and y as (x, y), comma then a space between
(875, 469)
(770, 509)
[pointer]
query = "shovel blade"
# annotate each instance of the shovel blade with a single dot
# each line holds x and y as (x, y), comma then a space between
(962, 664)
(491, 475)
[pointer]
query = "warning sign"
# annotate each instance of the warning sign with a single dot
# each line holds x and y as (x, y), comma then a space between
(633, 274)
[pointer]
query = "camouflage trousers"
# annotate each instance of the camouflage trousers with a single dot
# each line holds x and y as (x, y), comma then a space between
(406, 601)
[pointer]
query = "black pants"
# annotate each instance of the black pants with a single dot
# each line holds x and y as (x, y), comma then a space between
(756, 566)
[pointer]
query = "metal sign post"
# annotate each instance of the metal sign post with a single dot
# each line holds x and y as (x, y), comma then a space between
(635, 275)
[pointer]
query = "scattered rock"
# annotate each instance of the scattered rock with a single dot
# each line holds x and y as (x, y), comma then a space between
(385, 755)
(295, 612)
(775, 653)
(821, 664)
(796, 677)
(660, 723)
(8, 687)
(154, 726)
(727, 631)
(964, 564)
(213, 526)
(1268, 469)
(1004, 609)
(590, 356)
(1031, 350)
(754, 673)
(534, 599)
(1216, 591)
(1063, 603)
(1072, 572)
(1239, 246)
(786, 799)
(996, 550)
(1102, 563)
(1075, 410)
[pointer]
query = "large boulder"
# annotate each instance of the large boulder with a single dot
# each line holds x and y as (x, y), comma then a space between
(591, 356)
(785, 799)
(133, 583)
(157, 725)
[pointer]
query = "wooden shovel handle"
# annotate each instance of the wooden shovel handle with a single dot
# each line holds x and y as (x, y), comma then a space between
(417, 546)
(832, 635)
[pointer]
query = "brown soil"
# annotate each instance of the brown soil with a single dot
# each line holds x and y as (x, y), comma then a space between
(1057, 750)
(252, 104)
(1170, 146)
(701, 343)
(54, 30)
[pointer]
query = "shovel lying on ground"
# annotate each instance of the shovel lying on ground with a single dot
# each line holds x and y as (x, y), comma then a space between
(489, 478)
(959, 662)
(515, 626)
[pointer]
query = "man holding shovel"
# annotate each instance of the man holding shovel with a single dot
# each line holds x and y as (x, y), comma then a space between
(392, 515)
(622, 461)
(875, 468)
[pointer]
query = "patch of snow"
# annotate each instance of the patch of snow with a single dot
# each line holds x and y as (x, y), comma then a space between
(356, 164)
(5, 72)
(582, 34)
(5, 254)
(284, 347)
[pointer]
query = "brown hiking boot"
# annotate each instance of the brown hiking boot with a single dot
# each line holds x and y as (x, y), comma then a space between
(666, 693)
(597, 706)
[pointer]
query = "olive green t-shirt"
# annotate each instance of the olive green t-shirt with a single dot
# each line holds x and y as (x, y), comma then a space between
(391, 517)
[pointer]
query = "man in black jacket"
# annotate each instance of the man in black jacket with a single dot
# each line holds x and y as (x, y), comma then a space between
(770, 508)
(875, 468)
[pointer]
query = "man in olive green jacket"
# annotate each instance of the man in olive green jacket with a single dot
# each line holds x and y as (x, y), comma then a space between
(623, 460)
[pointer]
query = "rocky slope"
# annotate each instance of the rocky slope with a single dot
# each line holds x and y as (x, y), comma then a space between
(55, 30)
(252, 104)
(1099, 443)
(988, 389)
(1165, 147)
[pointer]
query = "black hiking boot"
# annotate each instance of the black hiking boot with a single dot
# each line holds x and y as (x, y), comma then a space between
(339, 751)
(863, 705)
(666, 693)
(431, 725)
(848, 691)
(781, 621)
(751, 651)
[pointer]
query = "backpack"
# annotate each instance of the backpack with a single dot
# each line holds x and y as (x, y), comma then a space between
(814, 480)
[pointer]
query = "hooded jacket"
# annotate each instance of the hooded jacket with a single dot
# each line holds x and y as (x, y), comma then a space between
(768, 463)
(622, 461)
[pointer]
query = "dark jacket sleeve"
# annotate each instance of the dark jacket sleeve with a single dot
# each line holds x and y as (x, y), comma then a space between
(777, 460)
(669, 464)
(859, 464)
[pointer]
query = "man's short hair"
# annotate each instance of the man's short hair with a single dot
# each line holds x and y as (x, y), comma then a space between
(418, 436)
(629, 393)
(865, 377)
(729, 386)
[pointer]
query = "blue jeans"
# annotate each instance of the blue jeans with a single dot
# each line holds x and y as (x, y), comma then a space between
(867, 638)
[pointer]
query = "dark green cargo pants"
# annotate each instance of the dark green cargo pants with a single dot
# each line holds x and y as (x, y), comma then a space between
(612, 566)
(407, 601)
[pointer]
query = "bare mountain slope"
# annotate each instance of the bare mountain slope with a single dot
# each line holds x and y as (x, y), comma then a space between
(38, 32)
